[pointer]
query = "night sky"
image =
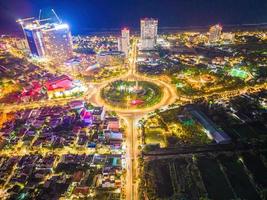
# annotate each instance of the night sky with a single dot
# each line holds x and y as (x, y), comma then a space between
(101, 14)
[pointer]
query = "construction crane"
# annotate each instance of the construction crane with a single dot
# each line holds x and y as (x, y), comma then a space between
(59, 20)
(21, 21)
(40, 11)
(37, 21)
(41, 20)
(46, 19)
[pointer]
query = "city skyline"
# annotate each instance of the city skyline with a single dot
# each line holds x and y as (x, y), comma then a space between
(107, 15)
(133, 113)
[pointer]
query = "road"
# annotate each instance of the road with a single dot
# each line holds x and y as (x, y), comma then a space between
(130, 116)
(169, 91)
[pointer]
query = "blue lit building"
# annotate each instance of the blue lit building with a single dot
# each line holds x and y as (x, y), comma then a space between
(35, 41)
(50, 40)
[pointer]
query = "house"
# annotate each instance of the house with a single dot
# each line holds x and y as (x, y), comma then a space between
(81, 190)
(63, 82)
(113, 126)
(76, 105)
(86, 116)
(77, 176)
(99, 113)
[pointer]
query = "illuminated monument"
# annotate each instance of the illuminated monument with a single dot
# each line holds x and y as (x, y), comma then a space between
(50, 40)
(149, 32)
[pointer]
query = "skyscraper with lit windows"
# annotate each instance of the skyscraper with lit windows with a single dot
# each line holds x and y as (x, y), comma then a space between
(49, 40)
(149, 32)
(215, 33)
(124, 41)
(57, 41)
(34, 39)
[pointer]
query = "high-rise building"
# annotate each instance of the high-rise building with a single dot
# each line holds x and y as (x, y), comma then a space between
(149, 32)
(57, 41)
(215, 33)
(49, 40)
(124, 41)
(34, 39)
(228, 37)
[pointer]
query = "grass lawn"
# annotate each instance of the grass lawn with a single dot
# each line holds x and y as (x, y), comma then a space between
(155, 136)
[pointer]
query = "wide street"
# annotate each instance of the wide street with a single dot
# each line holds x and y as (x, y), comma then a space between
(131, 116)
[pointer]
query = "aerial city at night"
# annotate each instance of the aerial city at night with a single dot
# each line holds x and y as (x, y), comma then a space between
(149, 107)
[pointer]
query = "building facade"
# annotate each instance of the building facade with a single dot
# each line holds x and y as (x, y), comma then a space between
(110, 58)
(149, 32)
(215, 33)
(57, 41)
(51, 40)
(124, 41)
(34, 39)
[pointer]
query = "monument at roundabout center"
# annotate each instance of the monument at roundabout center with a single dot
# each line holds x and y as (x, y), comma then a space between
(131, 94)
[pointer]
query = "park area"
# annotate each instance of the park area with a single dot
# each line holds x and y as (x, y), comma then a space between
(131, 94)
(173, 128)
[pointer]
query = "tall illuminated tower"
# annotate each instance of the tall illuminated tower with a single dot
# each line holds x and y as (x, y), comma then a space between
(149, 32)
(50, 39)
(124, 41)
(215, 33)
(34, 37)
(57, 41)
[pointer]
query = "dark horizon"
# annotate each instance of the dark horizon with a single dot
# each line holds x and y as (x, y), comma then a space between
(103, 14)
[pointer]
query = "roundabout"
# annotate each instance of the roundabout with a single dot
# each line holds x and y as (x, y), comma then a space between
(131, 94)
(152, 94)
